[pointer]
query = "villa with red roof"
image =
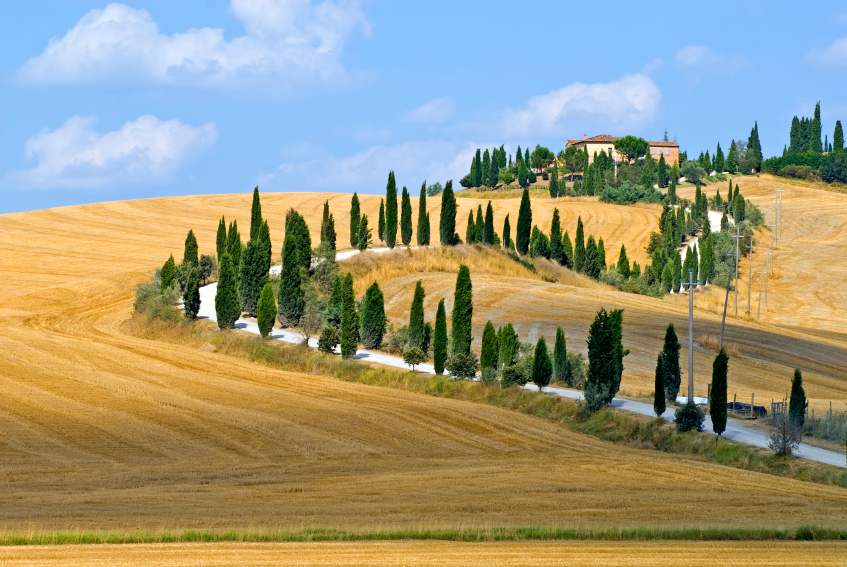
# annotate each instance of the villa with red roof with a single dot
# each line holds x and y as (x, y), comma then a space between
(606, 143)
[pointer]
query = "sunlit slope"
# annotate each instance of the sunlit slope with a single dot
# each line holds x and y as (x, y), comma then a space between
(100, 430)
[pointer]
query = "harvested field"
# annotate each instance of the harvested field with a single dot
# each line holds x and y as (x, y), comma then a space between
(104, 431)
(572, 554)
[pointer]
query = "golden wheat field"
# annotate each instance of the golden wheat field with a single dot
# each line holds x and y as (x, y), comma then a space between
(104, 431)
(378, 554)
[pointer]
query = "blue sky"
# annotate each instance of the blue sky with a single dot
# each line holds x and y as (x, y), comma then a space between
(127, 100)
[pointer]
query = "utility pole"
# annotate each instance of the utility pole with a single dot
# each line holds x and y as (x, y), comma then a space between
(725, 304)
(766, 290)
(759, 314)
(690, 283)
(737, 237)
(770, 251)
(779, 218)
(750, 276)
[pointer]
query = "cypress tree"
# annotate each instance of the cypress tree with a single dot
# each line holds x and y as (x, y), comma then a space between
(448, 215)
(290, 298)
(493, 172)
(405, 218)
(220, 241)
(192, 294)
(739, 207)
(349, 320)
(659, 389)
(233, 247)
(730, 196)
(488, 229)
(719, 159)
(732, 158)
(364, 233)
(296, 225)
(797, 402)
(556, 238)
(490, 347)
(330, 234)
(190, 257)
(266, 316)
(485, 170)
(462, 312)
(667, 278)
(560, 357)
(355, 214)
(724, 223)
(509, 347)
(623, 263)
(416, 317)
(527, 158)
(470, 232)
(754, 147)
(391, 211)
(567, 251)
(422, 234)
(579, 247)
(381, 225)
(168, 274)
(255, 215)
(480, 225)
(227, 307)
(605, 354)
(542, 368)
(523, 174)
(478, 171)
(507, 233)
(554, 182)
(601, 257)
(673, 373)
(335, 303)
(254, 275)
(662, 171)
(672, 190)
(324, 221)
(707, 259)
(717, 401)
(838, 137)
(524, 228)
(373, 317)
(589, 267)
(439, 338)
(815, 141)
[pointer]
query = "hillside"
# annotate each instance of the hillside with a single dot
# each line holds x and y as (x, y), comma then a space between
(101, 430)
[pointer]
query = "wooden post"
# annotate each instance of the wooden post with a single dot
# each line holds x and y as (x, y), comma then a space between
(752, 397)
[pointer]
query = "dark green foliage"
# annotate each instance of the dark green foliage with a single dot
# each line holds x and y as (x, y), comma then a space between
(567, 251)
(266, 316)
(623, 263)
(797, 402)
(689, 417)
(192, 294)
(672, 190)
(372, 327)
(542, 367)
(381, 225)
(815, 134)
(355, 214)
(673, 373)
(470, 232)
(405, 218)
(717, 402)
(364, 233)
(427, 338)
(328, 235)
(628, 194)
(605, 355)
(632, 147)
(834, 167)
(732, 158)
(227, 306)
(493, 171)
(707, 259)
(579, 247)
(460, 332)
(422, 234)
(255, 215)
(168, 273)
(328, 339)
(754, 148)
(254, 276)
(290, 298)
(718, 163)
(509, 346)
(207, 266)
(335, 304)
(560, 357)
(233, 247)
(838, 137)
(668, 281)
(662, 171)
(554, 182)
(507, 233)
(416, 317)
(724, 223)
(739, 208)
(485, 170)
(190, 256)
(556, 251)
(601, 256)
(220, 241)
(439, 338)
(490, 347)
(390, 211)
(448, 216)
(590, 265)
(480, 225)
(413, 357)
(524, 228)
(296, 226)
(539, 245)
(463, 365)
(659, 388)
(488, 228)
(523, 174)
(349, 319)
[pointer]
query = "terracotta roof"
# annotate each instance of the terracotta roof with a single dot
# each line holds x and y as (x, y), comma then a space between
(663, 144)
(603, 138)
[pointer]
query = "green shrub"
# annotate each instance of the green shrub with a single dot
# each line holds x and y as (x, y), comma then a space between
(689, 417)
(328, 339)
(628, 194)
(463, 365)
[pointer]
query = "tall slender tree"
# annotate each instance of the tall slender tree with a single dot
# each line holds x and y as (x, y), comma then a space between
(461, 332)
(324, 221)
(290, 297)
(439, 338)
(554, 182)
(754, 147)
(448, 215)
(220, 241)
(605, 354)
(507, 233)
(659, 389)
(349, 320)
(717, 400)
(488, 229)
(422, 234)
(391, 211)
(416, 317)
(579, 247)
(732, 158)
(556, 238)
(372, 326)
(168, 273)
(255, 215)
(233, 247)
(623, 263)
(673, 373)
(192, 294)
(560, 357)
(601, 256)
(266, 316)
(542, 368)
(381, 221)
(485, 170)
(490, 347)
(355, 215)
(296, 225)
(797, 402)
(590, 264)
(524, 228)
(364, 233)
(567, 251)
(405, 218)
(470, 232)
(227, 307)
(191, 256)
(815, 137)
(838, 137)
(480, 225)
(493, 172)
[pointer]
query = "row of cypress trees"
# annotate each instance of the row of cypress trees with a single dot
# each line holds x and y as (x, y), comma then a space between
(387, 223)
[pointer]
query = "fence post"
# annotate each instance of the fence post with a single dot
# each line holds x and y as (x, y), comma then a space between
(752, 397)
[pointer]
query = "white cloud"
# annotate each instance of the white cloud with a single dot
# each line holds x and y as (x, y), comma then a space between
(289, 43)
(699, 60)
(627, 102)
(834, 55)
(436, 110)
(367, 171)
(75, 156)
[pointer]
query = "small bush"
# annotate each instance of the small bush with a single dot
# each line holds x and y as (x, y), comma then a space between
(514, 375)
(785, 435)
(396, 340)
(413, 357)
(463, 365)
(689, 417)
(156, 303)
(489, 376)
(328, 339)
(628, 194)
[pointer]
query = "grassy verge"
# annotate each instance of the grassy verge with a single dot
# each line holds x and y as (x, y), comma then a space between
(610, 425)
(802, 533)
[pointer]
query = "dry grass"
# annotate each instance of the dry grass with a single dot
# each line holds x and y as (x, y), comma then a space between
(374, 554)
(103, 430)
